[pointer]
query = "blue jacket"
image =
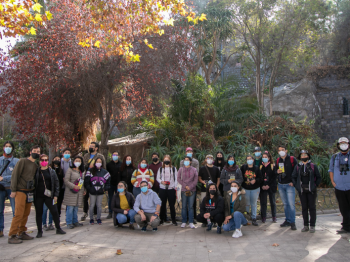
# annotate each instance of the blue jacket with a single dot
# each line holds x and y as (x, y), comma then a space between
(6, 182)
(342, 181)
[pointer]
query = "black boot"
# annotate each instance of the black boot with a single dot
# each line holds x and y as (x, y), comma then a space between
(39, 235)
(59, 231)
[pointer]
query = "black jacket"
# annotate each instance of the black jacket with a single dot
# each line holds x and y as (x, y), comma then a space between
(219, 207)
(269, 174)
(113, 170)
(55, 185)
(246, 180)
(116, 202)
(126, 177)
(97, 184)
(289, 163)
(59, 173)
(315, 176)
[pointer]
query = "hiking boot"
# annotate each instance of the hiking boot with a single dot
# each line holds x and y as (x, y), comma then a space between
(312, 230)
(59, 231)
(274, 219)
(70, 226)
(174, 222)
(292, 226)
(39, 235)
(24, 236)
(254, 223)
(305, 229)
(14, 240)
(1, 234)
(84, 217)
(109, 216)
(209, 226)
(50, 227)
(263, 219)
(218, 230)
(131, 227)
(285, 224)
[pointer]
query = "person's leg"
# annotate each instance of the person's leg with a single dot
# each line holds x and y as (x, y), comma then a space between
(312, 198)
(263, 203)
(163, 198)
(2, 209)
(121, 218)
(283, 194)
(191, 212)
(254, 201)
(86, 202)
(291, 203)
(344, 207)
(99, 206)
(139, 222)
(69, 215)
(194, 207)
(60, 201)
(239, 219)
(230, 225)
(131, 216)
(50, 216)
(75, 214)
(39, 209)
(20, 211)
(184, 200)
(54, 212)
(304, 207)
(155, 223)
(172, 201)
(247, 200)
(272, 203)
(346, 218)
(201, 219)
(93, 199)
(44, 218)
(12, 201)
(219, 219)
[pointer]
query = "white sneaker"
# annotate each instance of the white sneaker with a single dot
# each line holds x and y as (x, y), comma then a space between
(183, 225)
(192, 225)
(237, 233)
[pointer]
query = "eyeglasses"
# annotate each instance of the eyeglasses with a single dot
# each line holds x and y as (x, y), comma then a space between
(43, 159)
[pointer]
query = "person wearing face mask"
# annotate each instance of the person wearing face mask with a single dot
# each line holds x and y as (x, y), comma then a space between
(113, 169)
(66, 162)
(187, 177)
(167, 179)
(252, 179)
(75, 191)
(122, 205)
(306, 179)
(268, 186)
(231, 172)
(22, 187)
(339, 173)
(7, 164)
(97, 181)
(147, 205)
(143, 173)
(284, 168)
(126, 170)
(56, 165)
(154, 166)
(235, 210)
(257, 156)
(220, 164)
(46, 192)
(212, 208)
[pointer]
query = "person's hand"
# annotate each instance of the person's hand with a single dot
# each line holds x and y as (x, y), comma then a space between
(267, 187)
(143, 217)
(291, 184)
(84, 193)
(227, 219)
(1, 178)
(126, 212)
(13, 194)
(253, 181)
(153, 218)
(163, 183)
(230, 180)
(206, 215)
(55, 199)
(334, 184)
(187, 188)
(279, 171)
(76, 187)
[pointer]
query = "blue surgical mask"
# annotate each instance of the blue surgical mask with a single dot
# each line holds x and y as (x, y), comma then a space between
(8, 150)
(120, 190)
(66, 156)
(115, 158)
(189, 154)
(144, 189)
(186, 163)
(128, 162)
(265, 160)
(257, 154)
(143, 165)
(231, 162)
(250, 162)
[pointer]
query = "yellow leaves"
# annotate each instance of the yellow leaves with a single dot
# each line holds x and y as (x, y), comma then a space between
(169, 22)
(48, 15)
(1, 7)
(38, 17)
(146, 41)
(32, 31)
(37, 7)
(203, 17)
(150, 46)
(97, 44)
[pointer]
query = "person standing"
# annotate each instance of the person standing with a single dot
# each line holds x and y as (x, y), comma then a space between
(7, 164)
(257, 156)
(56, 165)
(113, 169)
(46, 192)
(126, 170)
(143, 173)
(284, 168)
(220, 163)
(208, 174)
(22, 186)
(66, 162)
(306, 179)
(340, 177)
(231, 172)
(154, 166)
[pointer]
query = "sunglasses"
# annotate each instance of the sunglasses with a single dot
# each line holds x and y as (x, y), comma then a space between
(44, 159)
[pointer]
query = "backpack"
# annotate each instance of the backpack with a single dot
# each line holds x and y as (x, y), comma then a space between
(161, 168)
(270, 164)
(292, 161)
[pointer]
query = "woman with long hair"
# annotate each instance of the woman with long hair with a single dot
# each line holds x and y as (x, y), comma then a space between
(126, 170)
(230, 173)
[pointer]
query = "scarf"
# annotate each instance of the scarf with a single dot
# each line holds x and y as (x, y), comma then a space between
(231, 169)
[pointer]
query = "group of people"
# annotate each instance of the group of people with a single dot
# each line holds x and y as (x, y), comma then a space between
(139, 194)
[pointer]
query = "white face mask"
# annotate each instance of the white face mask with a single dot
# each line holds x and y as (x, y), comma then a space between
(282, 153)
(234, 189)
(77, 164)
(209, 161)
(344, 147)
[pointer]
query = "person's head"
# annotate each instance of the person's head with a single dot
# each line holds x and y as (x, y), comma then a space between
(257, 152)
(155, 157)
(209, 160)
(230, 161)
(144, 186)
(8, 148)
(98, 162)
(187, 161)
(235, 187)
(189, 152)
(166, 161)
(211, 192)
(66, 153)
(56, 161)
(127, 162)
(343, 144)
(250, 160)
(35, 152)
(93, 148)
(304, 156)
(78, 163)
(122, 187)
(143, 163)
(282, 151)
(267, 158)
(44, 161)
(219, 156)
(115, 156)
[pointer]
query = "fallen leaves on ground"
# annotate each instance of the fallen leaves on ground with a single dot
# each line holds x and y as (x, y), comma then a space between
(275, 245)
(119, 252)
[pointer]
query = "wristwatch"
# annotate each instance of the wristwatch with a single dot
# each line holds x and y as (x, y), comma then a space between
(156, 214)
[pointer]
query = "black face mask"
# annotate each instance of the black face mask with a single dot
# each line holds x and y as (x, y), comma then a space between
(35, 155)
(56, 163)
(91, 150)
(167, 162)
(219, 158)
(304, 159)
(155, 159)
(212, 192)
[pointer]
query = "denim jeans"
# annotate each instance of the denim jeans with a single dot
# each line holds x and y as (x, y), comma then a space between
(235, 222)
(287, 194)
(45, 215)
(251, 198)
(71, 215)
(111, 191)
(187, 203)
(3, 195)
(122, 219)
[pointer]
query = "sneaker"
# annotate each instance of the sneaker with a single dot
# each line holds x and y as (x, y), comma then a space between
(192, 226)
(209, 226)
(70, 226)
(274, 219)
(50, 227)
(218, 230)
(92, 221)
(109, 216)
(312, 230)
(84, 217)
(254, 223)
(155, 229)
(305, 229)
(45, 227)
(99, 221)
(39, 235)
(174, 222)
(131, 227)
(24, 236)
(1, 233)
(144, 229)
(292, 226)
(59, 231)
(263, 219)
(183, 225)
(77, 224)
(237, 233)
(14, 240)
(285, 224)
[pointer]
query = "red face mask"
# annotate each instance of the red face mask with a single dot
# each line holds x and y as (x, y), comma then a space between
(44, 163)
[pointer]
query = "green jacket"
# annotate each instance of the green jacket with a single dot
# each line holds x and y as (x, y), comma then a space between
(238, 206)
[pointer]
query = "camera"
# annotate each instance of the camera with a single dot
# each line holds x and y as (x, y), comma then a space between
(30, 185)
(343, 168)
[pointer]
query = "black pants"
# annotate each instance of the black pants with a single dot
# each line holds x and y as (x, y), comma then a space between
(263, 202)
(308, 204)
(170, 196)
(39, 209)
(60, 201)
(343, 198)
(218, 218)
(86, 204)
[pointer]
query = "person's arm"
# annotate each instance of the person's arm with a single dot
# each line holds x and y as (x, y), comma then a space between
(318, 176)
(87, 181)
(330, 170)
(223, 178)
(295, 175)
(258, 178)
(108, 181)
(133, 178)
(175, 174)
(179, 180)
(56, 183)
(151, 178)
(67, 179)
(194, 181)
(200, 175)
(239, 176)
(196, 165)
(116, 208)
(181, 163)
(16, 173)
(217, 175)
(158, 177)
(137, 205)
